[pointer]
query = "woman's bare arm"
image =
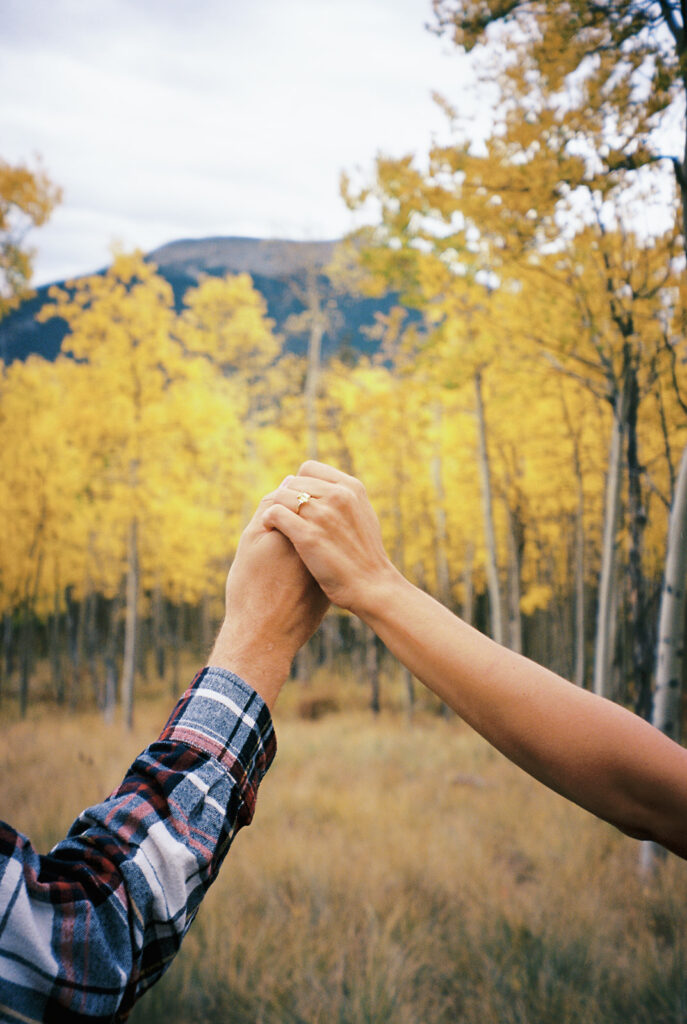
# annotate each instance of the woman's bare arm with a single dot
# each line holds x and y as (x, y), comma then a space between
(589, 749)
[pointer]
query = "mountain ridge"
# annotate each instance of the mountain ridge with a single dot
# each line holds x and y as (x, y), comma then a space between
(236, 254)
(275, 265)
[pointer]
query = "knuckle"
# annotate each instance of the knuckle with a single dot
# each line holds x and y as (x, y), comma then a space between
(338, 496)
(343, 499)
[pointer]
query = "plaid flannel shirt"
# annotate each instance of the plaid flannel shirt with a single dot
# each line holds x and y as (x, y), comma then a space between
(86, 929)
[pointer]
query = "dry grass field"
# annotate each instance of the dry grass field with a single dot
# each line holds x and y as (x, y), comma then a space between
(396, 871)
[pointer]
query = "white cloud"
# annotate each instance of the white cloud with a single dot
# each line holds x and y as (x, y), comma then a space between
(160, 118)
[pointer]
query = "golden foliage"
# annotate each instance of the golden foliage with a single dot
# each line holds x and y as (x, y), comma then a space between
(27, 199)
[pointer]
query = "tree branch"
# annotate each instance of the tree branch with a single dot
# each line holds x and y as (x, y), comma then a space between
(654, 489)
(583, 381)
(673, 363)
(676, 30)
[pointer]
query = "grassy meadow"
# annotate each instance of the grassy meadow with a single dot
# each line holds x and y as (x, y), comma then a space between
(396, 871)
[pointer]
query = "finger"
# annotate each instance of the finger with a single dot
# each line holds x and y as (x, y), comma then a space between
(255, 520)
(314, 486)
(288, 522)
(285, 496)
(264, 503)
(331, 478)
(321, 471)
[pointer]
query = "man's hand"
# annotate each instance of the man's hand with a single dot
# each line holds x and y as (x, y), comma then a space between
(273, 606)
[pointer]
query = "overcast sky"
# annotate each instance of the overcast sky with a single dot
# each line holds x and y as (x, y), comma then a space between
(164, 119)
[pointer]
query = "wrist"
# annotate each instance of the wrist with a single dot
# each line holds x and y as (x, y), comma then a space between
(377, 597)
(263, 665)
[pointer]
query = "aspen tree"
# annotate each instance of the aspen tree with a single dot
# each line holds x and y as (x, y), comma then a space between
(27, 199)
(619, 351)
(398, 352)
(666, 713)
(319, 315)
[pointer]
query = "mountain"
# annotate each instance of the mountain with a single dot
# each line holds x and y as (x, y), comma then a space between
(275, 257)
(275, 265)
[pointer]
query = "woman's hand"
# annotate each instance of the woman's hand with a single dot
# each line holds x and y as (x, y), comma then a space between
(336, 533)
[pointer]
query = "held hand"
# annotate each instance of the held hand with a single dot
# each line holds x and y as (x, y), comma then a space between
(273, 606)
(336, 533)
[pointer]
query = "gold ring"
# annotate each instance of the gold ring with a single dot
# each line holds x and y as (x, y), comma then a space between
(302, 498)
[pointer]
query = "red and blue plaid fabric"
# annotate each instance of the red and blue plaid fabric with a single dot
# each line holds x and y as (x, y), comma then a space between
(86, 929)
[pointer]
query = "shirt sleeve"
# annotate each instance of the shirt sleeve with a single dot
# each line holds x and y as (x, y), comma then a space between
(86, 929)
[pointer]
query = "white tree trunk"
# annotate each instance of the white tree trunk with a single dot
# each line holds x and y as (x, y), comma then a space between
(605, 622)
(493, 584)
(579, 590)
(111, 660)
(372, 669)
(579, 670)
(468, 607)
(312, 382)
(312, 379)
(130, 627)
(441, 533)
(671, 624)
(666, 709)
(514, 587)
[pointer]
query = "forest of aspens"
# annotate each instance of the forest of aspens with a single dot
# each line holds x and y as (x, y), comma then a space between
(520, 432)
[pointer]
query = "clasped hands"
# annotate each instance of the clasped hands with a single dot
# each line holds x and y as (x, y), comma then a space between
(294, 558)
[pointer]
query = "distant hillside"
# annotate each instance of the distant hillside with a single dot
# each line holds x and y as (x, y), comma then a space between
(276, 257)
(275, 265)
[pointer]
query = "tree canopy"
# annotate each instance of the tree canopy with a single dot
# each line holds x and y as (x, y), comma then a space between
(27, 198)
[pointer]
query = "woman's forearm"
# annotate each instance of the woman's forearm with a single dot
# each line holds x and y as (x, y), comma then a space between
(589, 749)
(592, 751)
